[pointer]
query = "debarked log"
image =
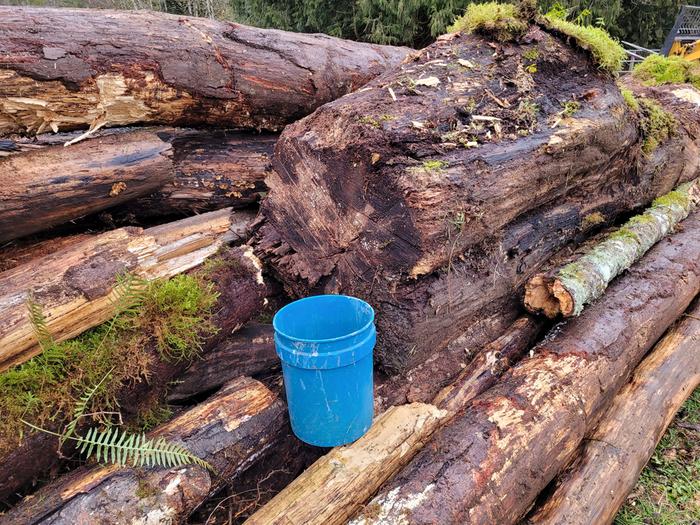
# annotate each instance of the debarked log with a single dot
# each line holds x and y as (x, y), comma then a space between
(74, 284)
(231, 431)
(158, 172)
(64, 69)
(490, 462)
(594, 488)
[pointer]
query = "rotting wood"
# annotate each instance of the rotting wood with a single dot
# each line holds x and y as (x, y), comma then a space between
(490, 462)
(74, 285)
(231, 431)
(612, 457)
(65, 69)
(156, 172)
(248, 352)
(240, 296)
(335, 487)
(568, 289)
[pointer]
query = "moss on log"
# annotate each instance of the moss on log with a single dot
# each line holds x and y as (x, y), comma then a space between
(567, 290)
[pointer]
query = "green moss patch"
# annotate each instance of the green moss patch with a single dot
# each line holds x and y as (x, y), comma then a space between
(657, 125)
(502, 21)
(172, 316)
(657, 70)
(630, 99)
(607, 53)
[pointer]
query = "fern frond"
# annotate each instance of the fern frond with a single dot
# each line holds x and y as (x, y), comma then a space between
(81, 407)
(39, 325)
(128, 293)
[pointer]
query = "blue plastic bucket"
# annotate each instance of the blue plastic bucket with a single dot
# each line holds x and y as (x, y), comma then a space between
(325, 343)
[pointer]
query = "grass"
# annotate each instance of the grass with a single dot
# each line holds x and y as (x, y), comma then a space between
(606, 52)
(668, 491)
(172, 316)
(657, 70)
(503, 21)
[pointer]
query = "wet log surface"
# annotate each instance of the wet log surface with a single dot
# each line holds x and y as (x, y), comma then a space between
(74, 284)
(248, 352)
(613, 456)
(230, 431)
(158, 172)
(370, 192)
(78, 68)
(241, 296)
(488, 465)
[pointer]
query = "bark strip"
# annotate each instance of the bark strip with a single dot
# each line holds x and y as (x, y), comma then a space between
(613, 456)
(230, 431)
(567, 290)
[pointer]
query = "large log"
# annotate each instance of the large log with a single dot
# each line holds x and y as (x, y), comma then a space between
(240, 296)
(74, 284)
(65, 69)
(168, 171)
(439, 236)
(488, 464)
(230, 431)
(596, 486)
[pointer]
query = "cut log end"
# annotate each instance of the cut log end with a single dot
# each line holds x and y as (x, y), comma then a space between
(547, 296)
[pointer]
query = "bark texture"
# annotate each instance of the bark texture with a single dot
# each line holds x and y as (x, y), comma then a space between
(613, 456)
(241, 296)
(73, 284)
(248, 352)
(230, 431)
(492, 460)
(387, 204)
(568, 289)
(65, 69)
(165, 172)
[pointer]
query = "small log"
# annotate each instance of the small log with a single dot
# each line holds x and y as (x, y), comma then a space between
(241, 295)
(490, 462)
(74, 284)
(568, 289)
(230, 430)
(250, 351)
(596, 486)
(333, 488)
(78, 68)
(168, 172)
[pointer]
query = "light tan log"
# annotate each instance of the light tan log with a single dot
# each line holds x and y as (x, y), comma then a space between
(230, 431)
(334, 487)
(74, 284)
(595, 488)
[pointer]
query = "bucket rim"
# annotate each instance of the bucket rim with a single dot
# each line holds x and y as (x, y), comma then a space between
(366, 326)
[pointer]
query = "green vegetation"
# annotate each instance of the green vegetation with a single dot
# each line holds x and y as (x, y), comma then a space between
(375, 122)
(527, 112)
(657, 69)
(657, 125)
(607, 53)
(668, 491)
(571, 107)
(172, 316)
(492, 18)
(630, 99)
(434, 165)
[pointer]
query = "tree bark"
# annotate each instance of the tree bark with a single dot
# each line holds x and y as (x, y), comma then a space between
(250, 351)
(489, 463)
(66, 69)
(568, 289)
(596, 486)
(241, 296)
(230, 431)
(73, 285)
(439, 237)
(167, 171)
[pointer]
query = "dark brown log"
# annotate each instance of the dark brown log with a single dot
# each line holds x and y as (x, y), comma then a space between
(492, 460)
(378, 202)
(230, 431)
(241, 296)
(74, 284)
(168, 172)
(612, 457)
(66, 69)
(250, 351)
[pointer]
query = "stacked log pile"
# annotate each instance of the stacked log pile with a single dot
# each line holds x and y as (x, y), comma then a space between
(434, 184)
